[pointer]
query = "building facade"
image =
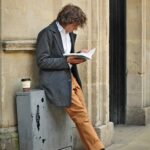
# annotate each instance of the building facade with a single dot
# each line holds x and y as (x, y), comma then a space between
(20, 22)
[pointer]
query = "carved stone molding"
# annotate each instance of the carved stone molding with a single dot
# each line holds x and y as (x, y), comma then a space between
(18, 45)
(6, 130)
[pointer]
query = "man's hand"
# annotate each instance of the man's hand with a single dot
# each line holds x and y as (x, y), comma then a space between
(74, 60)
(84, 51)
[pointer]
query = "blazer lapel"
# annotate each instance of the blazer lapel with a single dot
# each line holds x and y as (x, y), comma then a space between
(57, 36)
(59, 42)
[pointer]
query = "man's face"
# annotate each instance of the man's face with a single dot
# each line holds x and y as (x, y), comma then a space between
(71, 27)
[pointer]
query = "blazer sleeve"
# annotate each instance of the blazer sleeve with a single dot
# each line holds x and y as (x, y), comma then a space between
(43, 53)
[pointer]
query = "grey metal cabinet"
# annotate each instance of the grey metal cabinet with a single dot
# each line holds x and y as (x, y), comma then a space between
(41, 125)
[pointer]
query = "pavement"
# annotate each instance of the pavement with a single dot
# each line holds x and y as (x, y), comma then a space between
(131, 138)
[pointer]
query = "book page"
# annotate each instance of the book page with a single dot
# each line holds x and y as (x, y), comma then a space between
(82, 55)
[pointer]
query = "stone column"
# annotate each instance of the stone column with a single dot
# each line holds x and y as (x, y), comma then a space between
(146, 59)
(100, 70)
(138, 91)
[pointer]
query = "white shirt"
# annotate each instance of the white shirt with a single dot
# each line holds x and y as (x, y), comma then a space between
(65, 39)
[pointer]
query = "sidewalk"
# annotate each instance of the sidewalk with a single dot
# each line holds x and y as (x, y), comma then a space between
(131, 138)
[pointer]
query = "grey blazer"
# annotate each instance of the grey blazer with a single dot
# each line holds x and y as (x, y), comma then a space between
(54, 71)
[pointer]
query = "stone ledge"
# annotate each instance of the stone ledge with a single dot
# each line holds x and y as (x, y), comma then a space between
(18, 45)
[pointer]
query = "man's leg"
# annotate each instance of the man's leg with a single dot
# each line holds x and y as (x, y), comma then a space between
(78, 113)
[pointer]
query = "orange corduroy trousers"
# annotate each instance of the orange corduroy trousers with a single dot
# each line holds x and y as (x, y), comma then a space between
(78, 113)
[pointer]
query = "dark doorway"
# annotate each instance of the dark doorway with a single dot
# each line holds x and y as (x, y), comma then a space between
(117, 61)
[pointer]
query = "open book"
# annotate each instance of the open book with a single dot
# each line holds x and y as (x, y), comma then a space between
(82, 55)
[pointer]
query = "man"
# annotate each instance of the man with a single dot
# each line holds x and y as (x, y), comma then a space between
(58, 74)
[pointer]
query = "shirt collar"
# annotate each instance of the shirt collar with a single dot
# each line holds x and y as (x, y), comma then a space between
(60, 28)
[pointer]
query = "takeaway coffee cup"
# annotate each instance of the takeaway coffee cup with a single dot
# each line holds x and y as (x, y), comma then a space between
(26, 84)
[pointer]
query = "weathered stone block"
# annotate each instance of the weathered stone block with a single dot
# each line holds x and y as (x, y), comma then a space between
(106, 133)
(135, 116)
(147, 115)
(9, 141)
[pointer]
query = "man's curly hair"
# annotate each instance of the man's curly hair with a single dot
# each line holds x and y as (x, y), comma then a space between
(71, 14)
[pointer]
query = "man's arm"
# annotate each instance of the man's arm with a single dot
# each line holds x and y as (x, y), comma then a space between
(43, 54)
